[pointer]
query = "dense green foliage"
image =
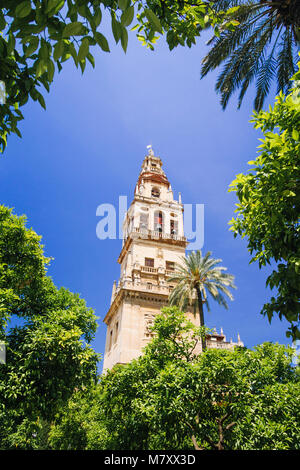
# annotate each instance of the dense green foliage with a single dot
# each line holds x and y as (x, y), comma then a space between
(46, 331)
(196, 277)
(269, 204)
(171, 398)
(38, 36)
(80, 425)
(262, 47)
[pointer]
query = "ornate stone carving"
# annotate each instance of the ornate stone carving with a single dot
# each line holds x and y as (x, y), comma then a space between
(149, 322)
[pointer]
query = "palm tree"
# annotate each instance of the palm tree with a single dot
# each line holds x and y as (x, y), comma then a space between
(196, 276)
(262, 46)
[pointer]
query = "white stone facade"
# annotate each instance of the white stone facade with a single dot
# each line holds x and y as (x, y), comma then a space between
(153, 243)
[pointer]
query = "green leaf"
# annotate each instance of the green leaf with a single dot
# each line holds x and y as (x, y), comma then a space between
(97, 17)
(91, 59)
(44, 50)
(152, 18)
(11, 43)
(23, 9)
(82, 64)
(66, 55)
(71, 49)
(84, 49)
(127, 16)
(72, 12)
(51, 70)
(2, 21)
(124, 39)
(116, 29)
(288, 193)
(122, 4)
(74, 29)
(295, 134)
(102, 41)
(33, 45)
(54, 6)
(217, 32)
(83, 11)
(232, 10)
(18, 132)
(58, 50)
(41, 68)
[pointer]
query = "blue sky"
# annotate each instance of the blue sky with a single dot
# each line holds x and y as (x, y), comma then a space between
(87, 149)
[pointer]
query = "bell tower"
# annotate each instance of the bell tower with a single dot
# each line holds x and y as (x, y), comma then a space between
(153, 241)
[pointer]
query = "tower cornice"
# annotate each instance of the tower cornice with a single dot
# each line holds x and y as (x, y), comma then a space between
(153, 177)
(151, 235)
(140, 292)
(150, 200)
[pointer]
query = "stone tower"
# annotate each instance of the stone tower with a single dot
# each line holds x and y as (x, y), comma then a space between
(153, 242)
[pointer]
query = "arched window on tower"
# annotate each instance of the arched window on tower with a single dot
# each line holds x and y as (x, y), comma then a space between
(155, 192)
(173, 227)
(144, 222)
(110, 342)
(158, 221)
(116, 332)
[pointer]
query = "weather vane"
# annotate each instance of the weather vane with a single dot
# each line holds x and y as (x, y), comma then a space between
(150, 150)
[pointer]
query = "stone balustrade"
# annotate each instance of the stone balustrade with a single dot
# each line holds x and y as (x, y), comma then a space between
(148, 269)
(219, 344)
(154, 234)
(144, 287)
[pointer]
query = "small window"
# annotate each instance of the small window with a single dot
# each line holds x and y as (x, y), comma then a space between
(173, 227)
(149, 262)
(110, 340)
(158, 221)
(155, 192)
(143, 221)
(170, 265)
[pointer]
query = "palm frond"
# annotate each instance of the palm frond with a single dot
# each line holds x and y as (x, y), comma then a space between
(240, 61)
(224, 5)
(286, 65)
(200, 272)
(244, 51)
(266, 73)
